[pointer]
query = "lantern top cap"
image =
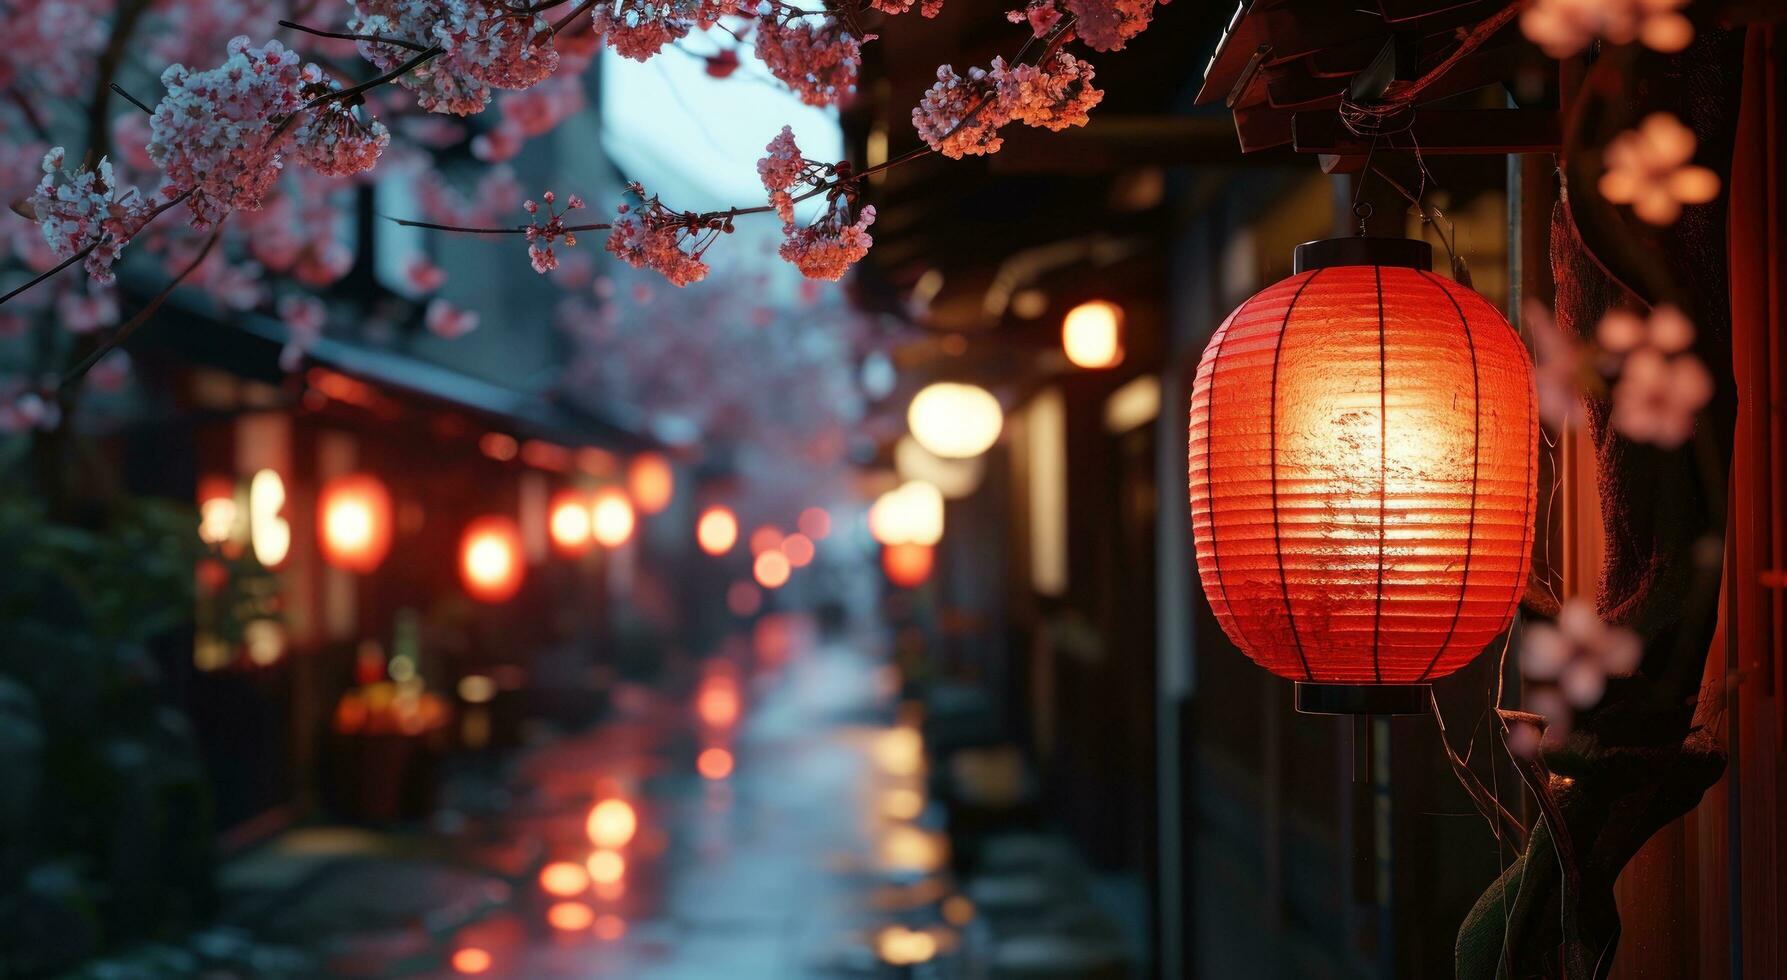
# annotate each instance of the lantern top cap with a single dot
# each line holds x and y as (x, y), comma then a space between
(1322, 253)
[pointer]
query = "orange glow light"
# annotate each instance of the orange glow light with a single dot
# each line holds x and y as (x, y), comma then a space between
(717, 530)
(611, 518)
(612, 823)
(607, 867)
(798, 548)
(744, 599)
(565, 879)
(815, 523)
(570, 916)
(1092, 334)
(471, 961)
(490, 561)
(354, 522)
(610, 927)
(717, 701)
(651, 481)
(908, 566)
(766, 538)
(771, 569)
(714, 763)
(569, 523)
(498, 446)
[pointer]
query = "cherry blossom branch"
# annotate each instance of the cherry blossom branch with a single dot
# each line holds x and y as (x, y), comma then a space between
(133, 100)
(32, 118)
(1501, 822)
(345, 36)
(50, 273)
(123, 333)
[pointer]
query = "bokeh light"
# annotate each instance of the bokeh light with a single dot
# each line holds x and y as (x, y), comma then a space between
(766, 538)
(611, 518)
(1092, 334)
(798, 549)
(565, 879)
(815, 523)
(490, 562)
(717, 530)
(908, 565)
(606, 867)
(714, 763)
(955, 421)
(569, 523)
(354, 522)
(471, 961)
(570, 916)
(910, 513)
(771, 569)
(744, 599)
(900, 946)
(612, 823)
(954, 478)
(651, 481)
(610, 927)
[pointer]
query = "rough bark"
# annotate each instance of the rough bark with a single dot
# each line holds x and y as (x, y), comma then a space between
(1645, 755)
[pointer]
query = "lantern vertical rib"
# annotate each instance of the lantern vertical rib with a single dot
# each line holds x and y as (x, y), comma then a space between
(1284, 588)
(1383, 475)
(1210, 466)
(1470, 538)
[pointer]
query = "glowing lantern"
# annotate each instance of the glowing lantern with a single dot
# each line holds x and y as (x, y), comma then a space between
(565, 879)
(490, 561)
(956, 478)
(908, 564)
(714, 764)
(651, 482)
(909, 514)
(611, 518)
(1362, 475)
(955, 421)
(799, 550)
(771, 569)
(269, 534)
(569, 523)
(1092, 334)
(717, 530)
(353, 523)
(612, 823)
(217, 510)
(570, 916)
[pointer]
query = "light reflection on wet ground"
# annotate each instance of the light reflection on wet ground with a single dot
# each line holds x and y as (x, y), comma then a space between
(766, 832)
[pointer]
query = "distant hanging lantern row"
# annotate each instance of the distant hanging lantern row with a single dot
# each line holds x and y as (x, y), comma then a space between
(568, 523)
(490, 559)
(1363, 441)
(354, 522)
(1092, 334)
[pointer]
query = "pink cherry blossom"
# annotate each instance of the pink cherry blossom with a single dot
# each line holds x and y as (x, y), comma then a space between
(651, 236)
(112, 372)
(828, 248)
(1579, 653)
(818, 62)
(957, 116)
(214, 133)
(23, 408)
(1559, 370)
(423, 276)
(86, 309)
(1660, 384)
(1649, 169)
(1041, 15)
(499, 144)
(51, 43)
(334, 139)
(448, 321)
(1563, 28)
(1107, 25)
(961, 116)
(87, 209)
(541, 237)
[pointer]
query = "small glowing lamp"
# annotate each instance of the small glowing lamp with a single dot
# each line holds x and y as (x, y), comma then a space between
(354, 522)
(771, 569)
(909, 514)
(569, 523)
(612, 823)
(606, 867)
(570, 916)
(717, 530)
(651, 481)
(1092, 334)
(714, 763)
(955, 421)
(565, 879)
(611, 518)
(490, 562)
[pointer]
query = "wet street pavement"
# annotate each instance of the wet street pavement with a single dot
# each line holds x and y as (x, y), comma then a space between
(770, 824)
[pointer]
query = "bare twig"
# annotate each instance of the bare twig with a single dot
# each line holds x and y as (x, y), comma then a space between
(1501, 823)
(395, 42)
(123, 333)
(133, 100)
(1538, 781)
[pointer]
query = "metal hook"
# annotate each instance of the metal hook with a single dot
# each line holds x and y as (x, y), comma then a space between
(1362, 211)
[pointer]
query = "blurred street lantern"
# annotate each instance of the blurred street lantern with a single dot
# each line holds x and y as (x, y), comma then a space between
(471, 961)
(570, 916)
(771, 569)
(354, 522)
(908, 564)
(955, 478)
(611, 518)
(651, 481)
(954, 420)
(714, 763)
(717, 530)
(899, 946)
(799, 550)
(218, 513)
(1092, 334)
(911, 513)
(490, 561)
(569, 523)
(606, 867)
(269, 534)
(1394, 425)
(564, 879)
(612, 823)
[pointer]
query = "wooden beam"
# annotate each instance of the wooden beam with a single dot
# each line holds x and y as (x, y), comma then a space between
(1466, 132)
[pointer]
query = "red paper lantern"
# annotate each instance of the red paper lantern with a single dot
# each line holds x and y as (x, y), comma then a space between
(1362, 472)
(490, 560)
(354, 522)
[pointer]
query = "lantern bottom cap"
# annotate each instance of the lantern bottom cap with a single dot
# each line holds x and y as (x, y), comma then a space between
(1362, 699)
